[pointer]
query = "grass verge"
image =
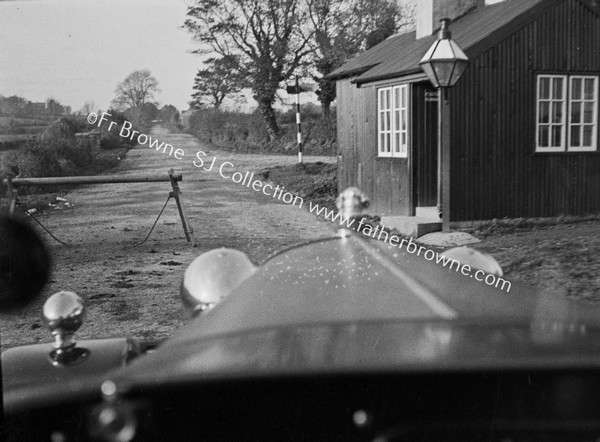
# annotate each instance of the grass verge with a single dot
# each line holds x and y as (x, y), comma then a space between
(56, 152)
(316, 182)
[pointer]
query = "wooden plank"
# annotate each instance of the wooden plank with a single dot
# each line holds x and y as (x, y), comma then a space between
(100, 179)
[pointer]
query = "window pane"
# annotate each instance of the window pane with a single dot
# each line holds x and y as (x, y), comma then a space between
(576, 88)
(557, 88)
(588, 112)
(396, 98)
(576, 113)
(575, 136)
(587, 135)
(544, 112)
(387, 99)
(404, 124)
(387, 142)
(544, 88)
(404, 97)
(556, 135)
(381, 143)
(588, 93)
(387, 120)
(397, 142)
(557, 112)
(543, 136)
(403, 138)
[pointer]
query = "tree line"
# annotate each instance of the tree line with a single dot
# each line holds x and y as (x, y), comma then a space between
(19, 107)
(260, 44)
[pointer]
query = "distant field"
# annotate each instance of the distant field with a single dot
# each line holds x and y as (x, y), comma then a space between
(21, 130)
(15, 137)
(17, 122)
(18, 129)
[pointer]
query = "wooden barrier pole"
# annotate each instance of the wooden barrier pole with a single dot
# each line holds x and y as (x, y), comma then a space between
(105, 179)
(176, 193)
(101, 179)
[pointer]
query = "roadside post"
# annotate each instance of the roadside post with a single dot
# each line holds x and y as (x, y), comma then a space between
(443, 64)
(296, 89)
(176, 194)
(298, 123)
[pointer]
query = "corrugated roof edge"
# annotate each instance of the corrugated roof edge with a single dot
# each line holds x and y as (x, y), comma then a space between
(477, 47)
(349, 73)
(341, 72)
(389, 76)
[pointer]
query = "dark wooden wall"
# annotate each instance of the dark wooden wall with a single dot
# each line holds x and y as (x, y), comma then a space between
(386, 181)
(495, 170)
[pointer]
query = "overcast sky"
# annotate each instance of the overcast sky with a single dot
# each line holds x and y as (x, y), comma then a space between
(78, 50)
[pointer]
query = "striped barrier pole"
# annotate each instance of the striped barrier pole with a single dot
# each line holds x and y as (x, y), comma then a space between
(298, 121)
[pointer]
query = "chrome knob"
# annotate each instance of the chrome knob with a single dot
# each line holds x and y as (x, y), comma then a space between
(63, 314)
(352, 202)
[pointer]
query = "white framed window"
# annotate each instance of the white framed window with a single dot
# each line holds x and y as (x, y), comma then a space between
(551, 111)
(392, 121)
(583, 113)
(384, 122)
(566, 113)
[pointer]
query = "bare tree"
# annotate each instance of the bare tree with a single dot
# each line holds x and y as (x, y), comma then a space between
(222, 78)
(270, 37)
(137, 89)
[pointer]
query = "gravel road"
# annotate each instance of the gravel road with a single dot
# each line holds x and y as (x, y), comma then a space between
(135, 291)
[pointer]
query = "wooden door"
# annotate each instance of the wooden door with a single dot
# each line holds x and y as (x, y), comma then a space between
(424, 146)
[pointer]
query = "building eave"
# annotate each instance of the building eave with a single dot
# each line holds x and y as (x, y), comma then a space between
(411, 75)
(351, 73)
